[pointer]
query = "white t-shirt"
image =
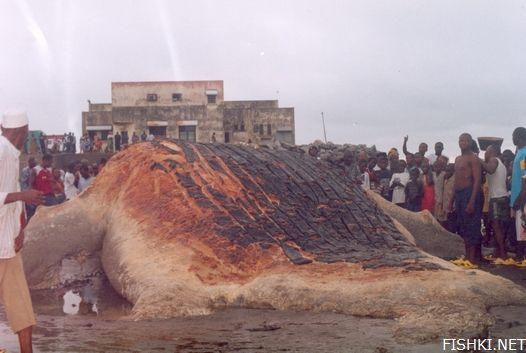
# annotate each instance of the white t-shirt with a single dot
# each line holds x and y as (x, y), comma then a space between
(366, 184)
(433, 158)
(69, 186)
(399, 191)
(497, 182)
(84, 183)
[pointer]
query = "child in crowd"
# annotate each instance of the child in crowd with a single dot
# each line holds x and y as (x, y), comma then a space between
(42, 180)
(371, 164)
(382, 176)
(393, 158)
(410, 161)
(419, 159)
(398, 183)
(439, 170)
(85, 178)
(428, 199)
(363, 178)
(58, 186)
(70, 182)
(414, 191)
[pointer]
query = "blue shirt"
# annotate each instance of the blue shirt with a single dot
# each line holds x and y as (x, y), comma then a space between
(519, 172)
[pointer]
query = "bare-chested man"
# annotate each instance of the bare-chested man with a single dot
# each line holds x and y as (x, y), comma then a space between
(469, 198)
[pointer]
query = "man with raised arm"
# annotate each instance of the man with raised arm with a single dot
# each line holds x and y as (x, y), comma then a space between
(422, 148)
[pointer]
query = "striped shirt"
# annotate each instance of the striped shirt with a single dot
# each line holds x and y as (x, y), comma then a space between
(9, 183)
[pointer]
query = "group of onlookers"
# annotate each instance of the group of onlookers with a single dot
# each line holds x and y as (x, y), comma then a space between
(112, 143)
(51, 144)
(55, 184)
(480, 197)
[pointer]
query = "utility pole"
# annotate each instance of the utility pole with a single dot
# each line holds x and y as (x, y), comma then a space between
(323, 122)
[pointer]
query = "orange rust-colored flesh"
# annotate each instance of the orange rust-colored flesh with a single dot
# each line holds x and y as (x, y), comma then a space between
(243, 210)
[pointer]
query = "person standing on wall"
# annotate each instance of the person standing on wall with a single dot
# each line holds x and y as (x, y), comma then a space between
(118, 140)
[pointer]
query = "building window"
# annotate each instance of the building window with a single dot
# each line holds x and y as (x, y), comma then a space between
(256, 128)
(211, 98)
(242, 126)
(261, 131)
(187, 132)
(269, 129)
(151, 97)
(157, 130)
(235, 127)
(177, 97)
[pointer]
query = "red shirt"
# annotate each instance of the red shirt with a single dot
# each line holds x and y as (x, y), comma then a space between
(428, 201)
(44, 181)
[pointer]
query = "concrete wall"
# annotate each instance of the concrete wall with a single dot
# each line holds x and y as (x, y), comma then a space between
(251, 104)
(100, 107)
(280, 119)
(97, 117)
(131, 94)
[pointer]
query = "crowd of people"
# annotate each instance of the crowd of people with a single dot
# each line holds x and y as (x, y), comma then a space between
(55, 184)
(481, 197)
(51, 144)
(112, 143)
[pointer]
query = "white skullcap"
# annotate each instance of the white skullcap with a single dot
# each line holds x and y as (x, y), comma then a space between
(13, 119)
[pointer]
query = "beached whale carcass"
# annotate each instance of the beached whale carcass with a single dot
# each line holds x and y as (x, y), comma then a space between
(187, 228)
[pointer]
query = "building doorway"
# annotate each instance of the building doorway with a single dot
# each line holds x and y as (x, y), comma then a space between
(227, 137)
(187, 132)
(125, 138)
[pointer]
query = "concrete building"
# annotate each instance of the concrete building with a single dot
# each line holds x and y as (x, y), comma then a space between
(189, 110)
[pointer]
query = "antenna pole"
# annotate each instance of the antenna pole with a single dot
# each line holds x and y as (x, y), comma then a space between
(323, 122)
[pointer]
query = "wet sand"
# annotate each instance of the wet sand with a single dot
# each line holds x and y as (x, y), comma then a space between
(236, 330)
(231, 330)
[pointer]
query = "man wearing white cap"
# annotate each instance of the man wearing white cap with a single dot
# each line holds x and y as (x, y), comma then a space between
(14, 292)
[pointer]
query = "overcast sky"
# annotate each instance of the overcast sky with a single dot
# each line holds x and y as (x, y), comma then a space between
(378, 69)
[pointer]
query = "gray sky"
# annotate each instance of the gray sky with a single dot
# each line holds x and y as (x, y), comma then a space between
(378, 69)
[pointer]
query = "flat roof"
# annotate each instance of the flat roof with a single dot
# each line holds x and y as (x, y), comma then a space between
(162, 82)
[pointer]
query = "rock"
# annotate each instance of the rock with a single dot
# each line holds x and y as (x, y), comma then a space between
(429, 235)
